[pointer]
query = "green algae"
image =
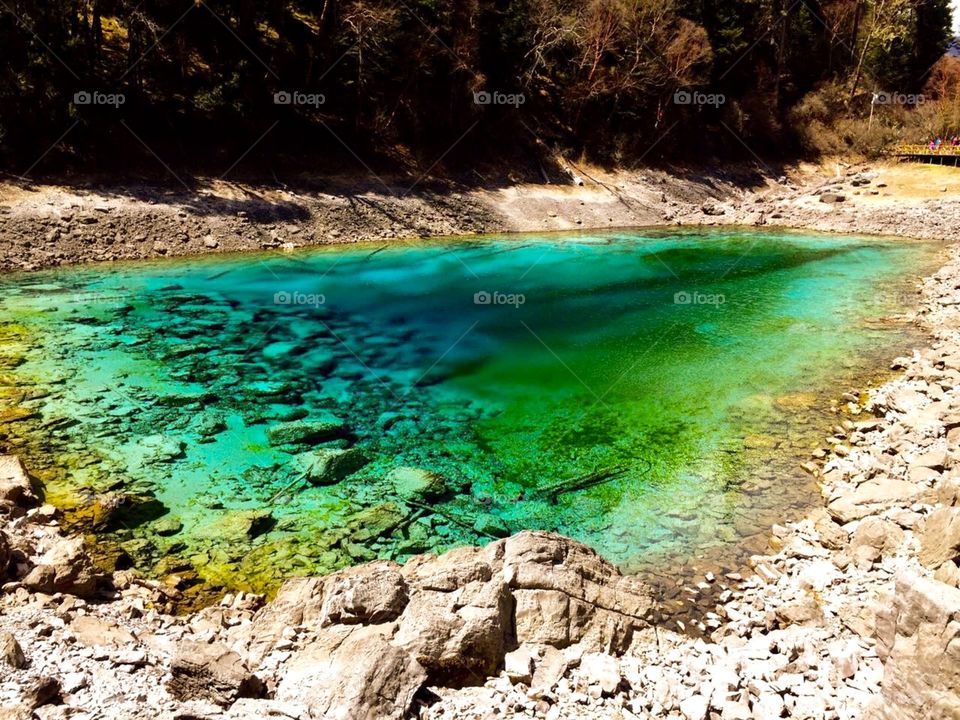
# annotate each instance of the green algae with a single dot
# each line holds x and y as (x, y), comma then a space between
(197, 388)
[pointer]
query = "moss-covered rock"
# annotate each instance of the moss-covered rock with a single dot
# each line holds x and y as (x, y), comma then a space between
(306, 432)
(412, 483)
(328, 466)
(242, 525)
(491, 526)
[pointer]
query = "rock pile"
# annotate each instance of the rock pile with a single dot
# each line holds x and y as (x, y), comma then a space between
(362, 642)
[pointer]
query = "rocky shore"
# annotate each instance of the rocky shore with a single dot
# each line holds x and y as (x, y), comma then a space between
(853, 612)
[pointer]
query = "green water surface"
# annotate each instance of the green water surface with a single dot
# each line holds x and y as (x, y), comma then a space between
(648, 392)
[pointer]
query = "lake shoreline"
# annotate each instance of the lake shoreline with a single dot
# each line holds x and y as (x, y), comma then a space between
(49, 226)
(847, 616)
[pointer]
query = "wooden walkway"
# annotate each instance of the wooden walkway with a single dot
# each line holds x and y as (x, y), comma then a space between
(945, 155)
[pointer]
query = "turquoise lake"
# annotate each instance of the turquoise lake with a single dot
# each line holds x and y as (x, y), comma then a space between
(245, 418)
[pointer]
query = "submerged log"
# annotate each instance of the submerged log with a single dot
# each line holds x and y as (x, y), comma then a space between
(551, 493)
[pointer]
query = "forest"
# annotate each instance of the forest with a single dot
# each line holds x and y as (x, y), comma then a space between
(96, 85)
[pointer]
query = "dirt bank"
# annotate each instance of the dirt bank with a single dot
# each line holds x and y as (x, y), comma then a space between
(45, 225)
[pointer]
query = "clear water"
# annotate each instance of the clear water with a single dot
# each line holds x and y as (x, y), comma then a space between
(646, 392)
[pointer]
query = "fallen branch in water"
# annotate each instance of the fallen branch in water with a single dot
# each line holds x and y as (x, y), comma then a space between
(283, 491)
(581, 482)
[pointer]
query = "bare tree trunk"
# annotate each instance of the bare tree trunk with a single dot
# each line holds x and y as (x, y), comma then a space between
(97, 31)
(858, 76)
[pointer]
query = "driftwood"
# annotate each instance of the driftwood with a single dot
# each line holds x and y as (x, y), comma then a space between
(552, 493)
(376, 252)
(286, 488)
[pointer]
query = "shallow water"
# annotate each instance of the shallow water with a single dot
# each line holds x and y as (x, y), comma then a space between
(646, 392)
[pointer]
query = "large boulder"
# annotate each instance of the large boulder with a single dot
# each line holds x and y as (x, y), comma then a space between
(875, 495)
(875, 538)
(370, 636)
(352, 673)
(565, 593)
(298, 602)
(15, 487)
(948, 490)
(65, 567)
(210, 672)
(368, 594)
(917, 642)
(940, 539)
(371, 593)
(458, 635)
(92, 631)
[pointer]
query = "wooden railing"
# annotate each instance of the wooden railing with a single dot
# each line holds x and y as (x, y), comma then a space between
(946, 150)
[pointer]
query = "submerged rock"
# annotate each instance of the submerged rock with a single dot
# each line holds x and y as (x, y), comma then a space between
(491, 526)
(166, 526)
(412, 483)
(375, 522)
(271, 389)
(209, 424)
(112, 510)
(282, 349)
(328, 466)
(306, 432)
(107, 509)
(162, 449)
(242, 525)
